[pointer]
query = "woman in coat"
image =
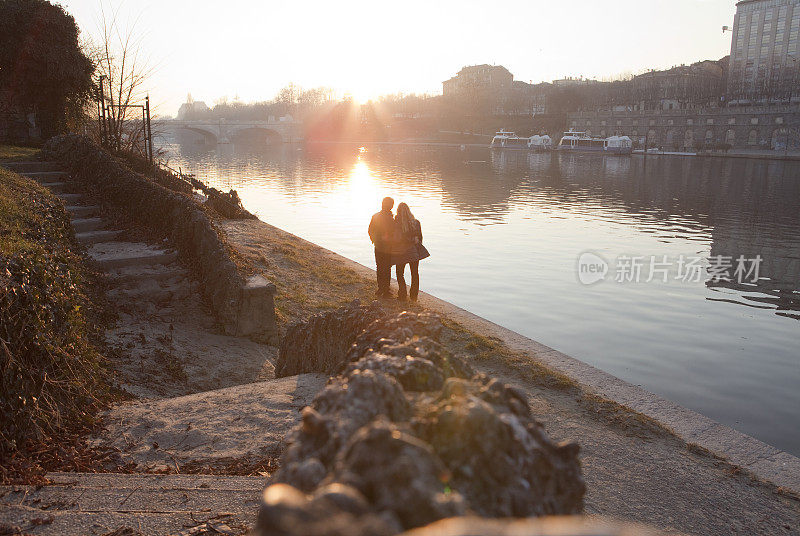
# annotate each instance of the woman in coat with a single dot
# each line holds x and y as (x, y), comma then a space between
(409, 250)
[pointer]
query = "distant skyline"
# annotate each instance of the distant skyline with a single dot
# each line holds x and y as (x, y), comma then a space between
(250, 49)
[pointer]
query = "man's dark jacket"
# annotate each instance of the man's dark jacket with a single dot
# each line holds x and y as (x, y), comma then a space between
(380, 231)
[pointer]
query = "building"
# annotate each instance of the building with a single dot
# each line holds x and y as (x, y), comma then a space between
(774, 127)
(683, 87)
(528, 99)
(190, 109)
(491, 78)
(574, 82)
(764, 62)
(480, 88)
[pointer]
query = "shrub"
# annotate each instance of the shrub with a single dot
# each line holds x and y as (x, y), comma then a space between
(51, 374)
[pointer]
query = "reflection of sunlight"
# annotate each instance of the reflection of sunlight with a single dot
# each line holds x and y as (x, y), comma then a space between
(362, 184)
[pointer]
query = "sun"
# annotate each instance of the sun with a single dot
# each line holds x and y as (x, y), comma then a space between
(363, 95)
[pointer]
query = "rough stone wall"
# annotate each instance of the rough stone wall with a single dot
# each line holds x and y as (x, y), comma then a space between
(244, 306)
(408, 434)
(320, 344)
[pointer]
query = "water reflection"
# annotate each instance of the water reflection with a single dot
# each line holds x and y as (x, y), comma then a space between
(505, 230)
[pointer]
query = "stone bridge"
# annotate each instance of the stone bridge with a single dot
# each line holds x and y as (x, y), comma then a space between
(284, 130)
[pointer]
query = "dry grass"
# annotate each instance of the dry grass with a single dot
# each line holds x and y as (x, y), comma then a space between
(16, 153)
(23, 218)
(308, 280)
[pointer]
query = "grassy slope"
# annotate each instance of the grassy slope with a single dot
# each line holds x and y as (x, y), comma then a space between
(21, 224)
(12, 152)
(52, 378)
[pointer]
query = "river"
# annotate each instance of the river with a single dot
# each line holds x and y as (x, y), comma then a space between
(697, 260)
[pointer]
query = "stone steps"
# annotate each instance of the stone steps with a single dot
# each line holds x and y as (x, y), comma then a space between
(94, 504)
(84, 225)
(138, 269)
(82, 211)
(70, 199)
(152, 290)
(157, 272)
(55, 187)
(96, 237)
(46, 176)
(114, 255)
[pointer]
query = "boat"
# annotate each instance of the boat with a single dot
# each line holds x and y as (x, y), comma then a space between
(582, 142)
(509, 140)
(540, 144)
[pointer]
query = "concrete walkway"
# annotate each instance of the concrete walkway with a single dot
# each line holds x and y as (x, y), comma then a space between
(104, 504)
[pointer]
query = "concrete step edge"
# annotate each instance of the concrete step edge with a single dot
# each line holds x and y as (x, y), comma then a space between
(90, 238)
(138, 260)
(155, 276)
(157, 481)
(83, 225)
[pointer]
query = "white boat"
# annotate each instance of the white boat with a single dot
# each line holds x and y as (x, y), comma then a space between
(540, 143)
(582, 142)
(509, 140)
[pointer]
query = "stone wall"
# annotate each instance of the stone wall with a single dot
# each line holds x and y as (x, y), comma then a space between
(765, 128)
(243, 305)
(407, 434)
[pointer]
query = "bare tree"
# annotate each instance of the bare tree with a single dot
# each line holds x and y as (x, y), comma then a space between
(123, 75)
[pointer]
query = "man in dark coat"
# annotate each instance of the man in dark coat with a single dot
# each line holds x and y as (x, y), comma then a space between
(381, 229)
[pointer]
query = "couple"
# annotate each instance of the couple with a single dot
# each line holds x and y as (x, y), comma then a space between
(398, 241)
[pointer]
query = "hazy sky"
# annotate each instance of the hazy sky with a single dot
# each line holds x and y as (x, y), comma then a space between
(252, 48)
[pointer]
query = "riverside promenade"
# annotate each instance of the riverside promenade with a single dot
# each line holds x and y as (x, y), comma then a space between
(210, 404)
(644, 458)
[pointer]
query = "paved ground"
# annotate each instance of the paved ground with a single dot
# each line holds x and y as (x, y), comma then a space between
(104, 504)
(244, 424)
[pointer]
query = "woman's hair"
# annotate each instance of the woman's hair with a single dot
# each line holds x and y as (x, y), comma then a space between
(405, 218)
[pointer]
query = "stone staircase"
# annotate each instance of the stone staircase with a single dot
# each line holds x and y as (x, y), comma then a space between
(139, 271)
(143, 277)
(131, 504)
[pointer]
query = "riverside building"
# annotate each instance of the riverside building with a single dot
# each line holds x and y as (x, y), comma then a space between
(764, 62)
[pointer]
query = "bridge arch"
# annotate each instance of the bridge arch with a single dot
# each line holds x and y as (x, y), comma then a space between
(266, 135)
(208, 136)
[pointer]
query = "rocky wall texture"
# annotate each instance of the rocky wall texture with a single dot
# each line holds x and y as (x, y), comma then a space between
(408, 434)
(244, 306)
(320, 344)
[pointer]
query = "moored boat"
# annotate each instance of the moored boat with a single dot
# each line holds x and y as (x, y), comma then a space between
(540, 144)
(582, 142)
(508, 140)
